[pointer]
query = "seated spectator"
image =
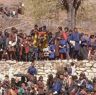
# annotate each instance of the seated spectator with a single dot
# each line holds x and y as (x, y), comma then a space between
(73, 67)
(50, 82)
(40, 86)
(21, 90)
(57, 86)
(32, 70)
(6, 82)
(21, 8)
(13, 90)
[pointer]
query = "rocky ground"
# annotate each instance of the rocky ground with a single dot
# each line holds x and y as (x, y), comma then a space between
(47, 67)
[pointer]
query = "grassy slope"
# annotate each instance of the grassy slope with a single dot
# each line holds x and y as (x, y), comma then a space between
(41, 9)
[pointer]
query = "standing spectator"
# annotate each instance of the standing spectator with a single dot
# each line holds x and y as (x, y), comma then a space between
(12, 43)
(31, 51)
(62, 48)
(52, 51)
(1, 45)
(57, 37)
(64, 33)
(75, 36)
(36, 28)
(50, 37)
(27, 48)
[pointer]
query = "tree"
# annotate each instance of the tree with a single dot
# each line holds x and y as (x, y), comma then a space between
(71, 7)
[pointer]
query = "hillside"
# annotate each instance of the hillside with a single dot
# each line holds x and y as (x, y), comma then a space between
(51, 14)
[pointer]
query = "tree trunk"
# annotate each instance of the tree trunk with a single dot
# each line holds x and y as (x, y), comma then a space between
(71, 17)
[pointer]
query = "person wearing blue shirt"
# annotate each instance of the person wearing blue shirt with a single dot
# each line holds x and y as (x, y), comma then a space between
(62, 48)
(75, 36)
(52, 51)
(32, 70)
(57, 86)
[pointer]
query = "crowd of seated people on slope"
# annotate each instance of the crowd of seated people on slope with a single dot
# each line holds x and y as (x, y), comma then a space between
(65, 82)
(11, 11)
(41, 44)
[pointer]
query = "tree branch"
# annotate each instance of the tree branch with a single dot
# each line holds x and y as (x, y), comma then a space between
(65, 4)
(76, 4)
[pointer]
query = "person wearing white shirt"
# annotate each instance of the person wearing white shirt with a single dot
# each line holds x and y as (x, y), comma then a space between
(73, 67)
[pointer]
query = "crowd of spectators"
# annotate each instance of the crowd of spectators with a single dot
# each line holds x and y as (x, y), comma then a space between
(41, 44)
(11, 11)
(65, 82)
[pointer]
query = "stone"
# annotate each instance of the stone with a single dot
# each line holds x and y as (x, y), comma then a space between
(75, 60)
(47, 71)
(70, 60)
(44, 68)
(92, 62)
(89, 71)
(91, 75)
(94, 74)
(86, 73)
(41, 73)
(87, 68)
(82, 69)
(94, 65)
(54, 71)
(94, 70)
(20, 63)
(80, 64)
(64, 61)
(77, 69)
(85, 61)
(78, 72)
(89, 64)
(40, 70)
(2, 77)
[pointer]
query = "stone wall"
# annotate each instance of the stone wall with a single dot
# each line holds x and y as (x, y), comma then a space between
(47, 67)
